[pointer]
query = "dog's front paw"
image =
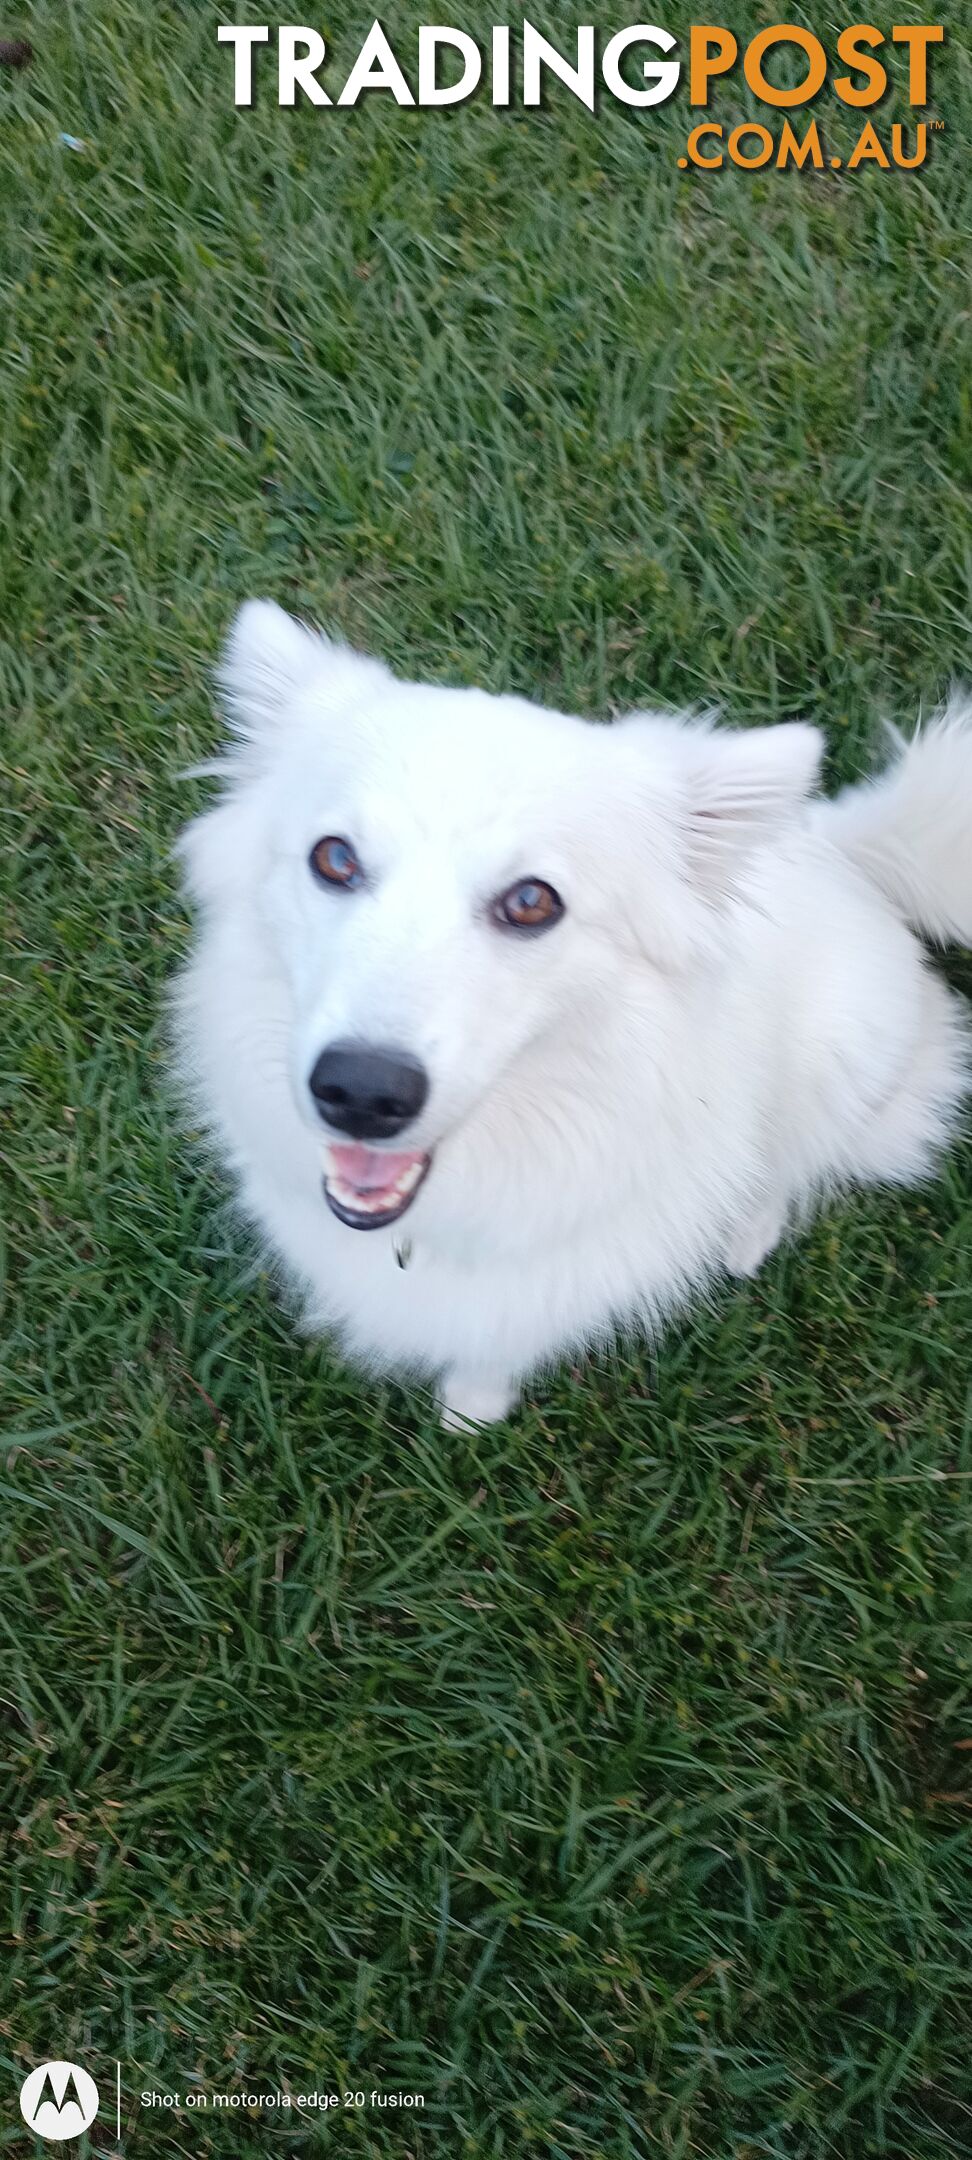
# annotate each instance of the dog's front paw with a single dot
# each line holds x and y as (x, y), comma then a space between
(755, 1240)
(471, 1397)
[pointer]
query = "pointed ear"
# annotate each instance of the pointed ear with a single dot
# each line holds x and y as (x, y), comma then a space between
(742, 786)
(271, 661)
(268, 657)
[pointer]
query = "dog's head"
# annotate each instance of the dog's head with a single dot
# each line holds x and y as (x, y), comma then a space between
(457, 887)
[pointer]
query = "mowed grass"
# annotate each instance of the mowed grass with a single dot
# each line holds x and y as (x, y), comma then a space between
(602, 1778)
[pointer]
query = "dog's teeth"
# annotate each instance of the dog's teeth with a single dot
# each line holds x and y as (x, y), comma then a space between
(374, 1200)
(367, 1203)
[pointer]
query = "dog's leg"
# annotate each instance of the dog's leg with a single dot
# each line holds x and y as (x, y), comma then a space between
(474, 1395)
(754, 1240)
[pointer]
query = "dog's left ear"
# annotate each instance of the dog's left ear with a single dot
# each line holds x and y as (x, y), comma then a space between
(696, 803)
(742, 786)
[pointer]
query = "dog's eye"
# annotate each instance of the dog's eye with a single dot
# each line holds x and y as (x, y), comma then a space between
(335, 862)
(528, 905)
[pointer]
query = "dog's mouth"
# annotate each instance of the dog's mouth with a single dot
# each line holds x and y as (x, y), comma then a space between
(367, 1188)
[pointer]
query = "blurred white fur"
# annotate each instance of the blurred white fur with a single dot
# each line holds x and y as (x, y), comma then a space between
(734, 1018)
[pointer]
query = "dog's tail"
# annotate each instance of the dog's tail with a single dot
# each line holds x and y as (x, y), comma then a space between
(910, 830)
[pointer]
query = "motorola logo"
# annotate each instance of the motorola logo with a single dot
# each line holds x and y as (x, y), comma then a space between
(59, 2100)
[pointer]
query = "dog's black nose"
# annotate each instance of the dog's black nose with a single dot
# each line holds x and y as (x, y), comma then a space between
(371, 1094)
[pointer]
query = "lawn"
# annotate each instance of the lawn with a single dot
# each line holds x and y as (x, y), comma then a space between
(601, 1779)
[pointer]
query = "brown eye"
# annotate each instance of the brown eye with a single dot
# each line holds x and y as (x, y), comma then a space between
(335, 862)
(528, 905)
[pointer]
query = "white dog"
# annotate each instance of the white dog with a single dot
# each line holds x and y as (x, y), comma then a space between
(516, 1030)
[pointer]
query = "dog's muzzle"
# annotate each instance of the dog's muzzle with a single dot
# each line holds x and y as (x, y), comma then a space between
(371, 1092)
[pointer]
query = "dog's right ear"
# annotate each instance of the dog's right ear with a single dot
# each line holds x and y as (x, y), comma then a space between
(270, 659)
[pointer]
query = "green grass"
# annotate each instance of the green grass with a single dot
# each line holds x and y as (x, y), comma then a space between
(602, 1778)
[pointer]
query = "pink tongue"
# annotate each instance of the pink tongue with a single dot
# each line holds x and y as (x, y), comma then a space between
(365, 1168)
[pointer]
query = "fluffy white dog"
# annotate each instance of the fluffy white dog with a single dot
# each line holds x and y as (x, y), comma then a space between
(516, 1030)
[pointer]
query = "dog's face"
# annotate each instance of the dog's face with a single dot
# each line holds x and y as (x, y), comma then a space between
(455, 885)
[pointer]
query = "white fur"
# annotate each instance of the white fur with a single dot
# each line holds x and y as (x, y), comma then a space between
(733, 1018)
